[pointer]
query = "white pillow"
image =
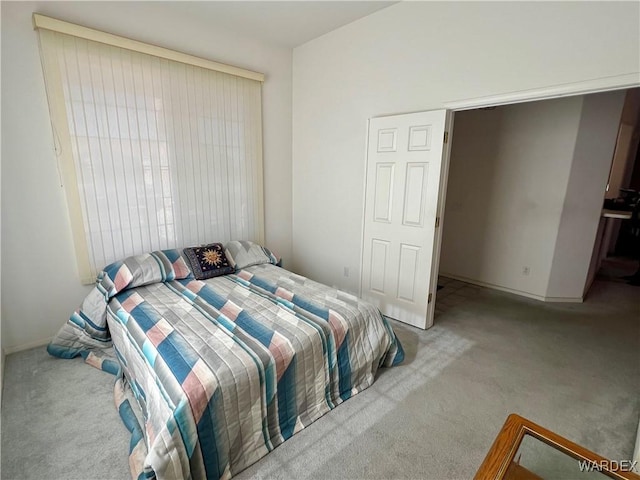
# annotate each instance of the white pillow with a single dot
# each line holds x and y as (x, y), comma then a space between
(242, 254)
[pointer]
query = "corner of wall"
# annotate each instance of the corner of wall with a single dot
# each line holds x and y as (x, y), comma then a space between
(509, 168)
(636, 450)
(2, 355)
(581, 210)
(549, 291)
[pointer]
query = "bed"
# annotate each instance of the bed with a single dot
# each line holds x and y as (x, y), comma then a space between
(222, 369)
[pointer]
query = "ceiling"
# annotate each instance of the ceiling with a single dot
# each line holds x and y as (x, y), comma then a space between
(280, 23)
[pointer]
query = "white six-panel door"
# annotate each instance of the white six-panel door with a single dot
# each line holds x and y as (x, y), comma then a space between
(404, 160)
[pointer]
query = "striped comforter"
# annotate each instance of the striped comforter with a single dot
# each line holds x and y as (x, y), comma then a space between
(226, 369)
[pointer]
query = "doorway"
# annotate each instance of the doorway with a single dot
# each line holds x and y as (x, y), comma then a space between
(525, 190)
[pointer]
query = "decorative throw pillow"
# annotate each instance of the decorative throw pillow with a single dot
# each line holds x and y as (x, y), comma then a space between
(208, 261)
(242, 254)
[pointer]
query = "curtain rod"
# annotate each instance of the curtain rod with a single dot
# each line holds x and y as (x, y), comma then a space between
(48, 23)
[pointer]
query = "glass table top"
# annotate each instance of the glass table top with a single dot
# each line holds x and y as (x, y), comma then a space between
(536, 459)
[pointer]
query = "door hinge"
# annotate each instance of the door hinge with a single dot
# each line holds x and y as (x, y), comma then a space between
(429, 298)
(437, 222)
(446, 137)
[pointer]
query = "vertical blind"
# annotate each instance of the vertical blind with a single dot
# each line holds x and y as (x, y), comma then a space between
(160, 154)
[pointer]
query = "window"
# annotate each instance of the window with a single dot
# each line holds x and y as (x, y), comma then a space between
(156, 153)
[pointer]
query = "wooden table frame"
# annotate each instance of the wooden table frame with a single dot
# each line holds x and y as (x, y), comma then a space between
(506, 444)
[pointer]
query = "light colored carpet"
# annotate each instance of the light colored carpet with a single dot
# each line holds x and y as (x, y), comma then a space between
(574, 368)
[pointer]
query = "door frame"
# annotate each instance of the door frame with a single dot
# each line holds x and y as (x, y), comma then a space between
(442, 196)
(599, 85)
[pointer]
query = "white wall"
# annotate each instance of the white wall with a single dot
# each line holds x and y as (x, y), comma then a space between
(582, 207)
(38, 263)
(507, 182)
(526, 185)
(416, 56)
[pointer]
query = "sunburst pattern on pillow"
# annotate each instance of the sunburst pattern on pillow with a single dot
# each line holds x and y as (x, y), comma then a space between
(208, 261)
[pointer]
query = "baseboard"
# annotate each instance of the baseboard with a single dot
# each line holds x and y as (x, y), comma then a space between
(564, 299)
(493, 286)
(541, 298)
(26, 346)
